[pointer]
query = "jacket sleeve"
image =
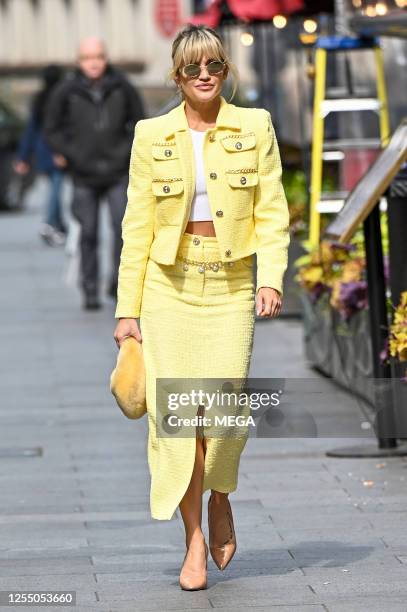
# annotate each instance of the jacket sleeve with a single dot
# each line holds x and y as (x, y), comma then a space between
(271, 215)
(28, 139)
(134, 112)
(137, 110)
(55, 123)
(137, 227)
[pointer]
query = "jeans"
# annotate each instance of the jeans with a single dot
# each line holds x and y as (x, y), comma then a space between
(85, 209)
(53, 214)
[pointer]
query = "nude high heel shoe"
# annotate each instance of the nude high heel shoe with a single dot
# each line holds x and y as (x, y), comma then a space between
(221, 551)
(191, 580)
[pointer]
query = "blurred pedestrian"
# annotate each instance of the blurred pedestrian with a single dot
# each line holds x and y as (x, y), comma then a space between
(90, 125)
(34, 149)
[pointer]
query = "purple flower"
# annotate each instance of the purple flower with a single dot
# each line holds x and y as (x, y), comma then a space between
(352, 298)
(317, 290)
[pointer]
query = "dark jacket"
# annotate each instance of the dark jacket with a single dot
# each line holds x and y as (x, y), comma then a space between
(92, 126)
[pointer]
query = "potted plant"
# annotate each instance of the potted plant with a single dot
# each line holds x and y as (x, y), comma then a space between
(335, 310)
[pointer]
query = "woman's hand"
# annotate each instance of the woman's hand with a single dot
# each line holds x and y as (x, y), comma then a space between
(268, 302)
(125, 328)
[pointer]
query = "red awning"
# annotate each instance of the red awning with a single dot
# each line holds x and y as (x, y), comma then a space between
(247, 10)
(211, 17)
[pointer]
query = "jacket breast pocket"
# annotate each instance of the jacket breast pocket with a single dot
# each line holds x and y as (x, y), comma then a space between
(165, 160)
(241, 148)
(164, 150)
(169, 196)
(242, 185)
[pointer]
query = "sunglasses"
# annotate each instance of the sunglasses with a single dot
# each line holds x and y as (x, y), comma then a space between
(194, 70)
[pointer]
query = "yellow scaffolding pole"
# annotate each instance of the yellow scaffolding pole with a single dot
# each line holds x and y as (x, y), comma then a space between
(317, 145)
(318, 128)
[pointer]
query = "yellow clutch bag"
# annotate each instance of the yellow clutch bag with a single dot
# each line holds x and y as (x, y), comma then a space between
(128, 379)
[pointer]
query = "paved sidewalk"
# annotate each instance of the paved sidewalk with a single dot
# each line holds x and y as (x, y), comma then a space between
(314, 533)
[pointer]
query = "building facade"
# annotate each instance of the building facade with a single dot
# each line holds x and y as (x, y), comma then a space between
(34, 33)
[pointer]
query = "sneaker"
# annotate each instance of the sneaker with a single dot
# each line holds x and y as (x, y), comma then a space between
(58, 237)
(47, 234)
(52, 236)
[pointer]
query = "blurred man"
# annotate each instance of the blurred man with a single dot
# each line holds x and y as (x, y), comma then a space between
(90, 127)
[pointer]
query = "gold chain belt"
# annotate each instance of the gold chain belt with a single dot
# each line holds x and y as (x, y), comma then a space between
(241, 171)
(204, 265)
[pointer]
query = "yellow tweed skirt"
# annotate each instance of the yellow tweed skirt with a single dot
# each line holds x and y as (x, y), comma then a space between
(194, 324)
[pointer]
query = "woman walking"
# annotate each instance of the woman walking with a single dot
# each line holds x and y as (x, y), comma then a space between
(204, 195)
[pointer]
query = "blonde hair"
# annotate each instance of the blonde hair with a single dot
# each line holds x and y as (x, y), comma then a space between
(194, 41)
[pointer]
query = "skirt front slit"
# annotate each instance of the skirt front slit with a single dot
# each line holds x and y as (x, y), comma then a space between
(194, 324)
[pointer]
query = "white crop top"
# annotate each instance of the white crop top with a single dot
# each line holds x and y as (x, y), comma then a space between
(200, 209)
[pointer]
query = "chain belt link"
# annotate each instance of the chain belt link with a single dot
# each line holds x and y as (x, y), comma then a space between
(204, 265)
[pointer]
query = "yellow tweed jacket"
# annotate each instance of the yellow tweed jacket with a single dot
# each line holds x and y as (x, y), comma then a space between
(243, 177)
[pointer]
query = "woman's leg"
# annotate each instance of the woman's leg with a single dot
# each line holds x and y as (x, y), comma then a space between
(191, 510)
(191, 504)
(220, 528)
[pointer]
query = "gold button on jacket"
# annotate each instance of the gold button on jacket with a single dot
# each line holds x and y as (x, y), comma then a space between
(243, 149)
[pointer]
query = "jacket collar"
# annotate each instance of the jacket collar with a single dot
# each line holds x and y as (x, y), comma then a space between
(227, 117)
